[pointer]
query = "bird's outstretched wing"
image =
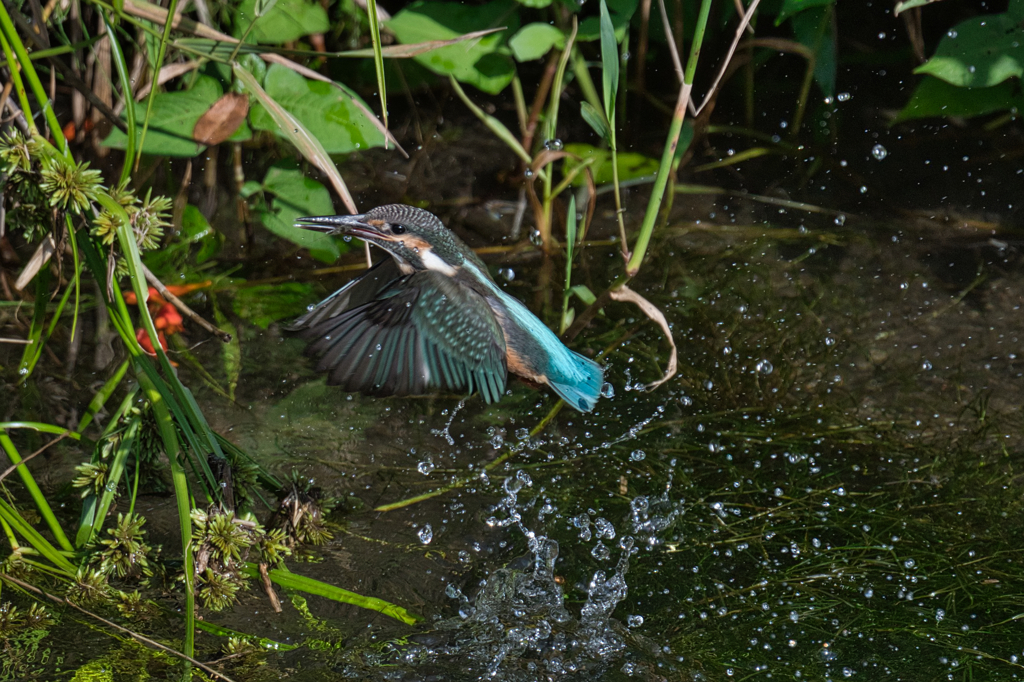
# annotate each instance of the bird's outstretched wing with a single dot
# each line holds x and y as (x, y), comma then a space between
(358, 292)
(420, 333)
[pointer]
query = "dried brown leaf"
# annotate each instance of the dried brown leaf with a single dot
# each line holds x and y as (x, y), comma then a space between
(222, 119)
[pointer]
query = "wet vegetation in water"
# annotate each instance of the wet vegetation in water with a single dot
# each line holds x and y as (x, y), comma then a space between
(826, 488)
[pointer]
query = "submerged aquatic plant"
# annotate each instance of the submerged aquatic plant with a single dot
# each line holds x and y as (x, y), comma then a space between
(300, 515)
(224, 543)
(125, 552)
(89, 587)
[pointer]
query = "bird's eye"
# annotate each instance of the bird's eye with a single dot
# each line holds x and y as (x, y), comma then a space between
(398, 229)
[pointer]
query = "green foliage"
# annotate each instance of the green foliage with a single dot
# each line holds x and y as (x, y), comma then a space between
(125, 552)
(149, 217)
(631, 164)
(223, 543)
(296, 195)
(793, 7)
(484, 63)
(982, 51)
(934, 97)
(173, 119)
(89, 587)
(813, 29)
(619, 12)
(285, 21)
(969, 74)
(535, 40)
(38, 181)
(327, 111)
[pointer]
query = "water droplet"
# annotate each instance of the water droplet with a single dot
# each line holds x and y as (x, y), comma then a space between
(951, 33)
(926, 366)
(425, 467)
(840, 220)
(535, 238)
(634, 621)
(637, 455)
(879, 152)
(830, 340)
(507, 274)
(554, 145)
(843, 97)
(527, 173)
(764, 367)
(869, 593)
(863, 189)
(607, 390)
(425, 534)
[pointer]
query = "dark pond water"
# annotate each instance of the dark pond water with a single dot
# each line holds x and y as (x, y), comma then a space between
(830, 487)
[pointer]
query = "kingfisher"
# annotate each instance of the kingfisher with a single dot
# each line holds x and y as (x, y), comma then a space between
(430, 318)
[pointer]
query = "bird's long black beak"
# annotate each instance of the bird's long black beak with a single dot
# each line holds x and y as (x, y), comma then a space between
(354, 225)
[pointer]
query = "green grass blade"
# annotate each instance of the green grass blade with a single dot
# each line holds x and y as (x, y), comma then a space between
(117, 465)
(123, 75)
(609, 62)
(87, 519)
(18, 47)
(495, 126)
(102, 395)
(183, 502)
(42, 428)
(570, 243)
(161, 52)
(11, 516)
(34, 350)
(293, 581)
(378, 61)
(37, 495)
(669, 152)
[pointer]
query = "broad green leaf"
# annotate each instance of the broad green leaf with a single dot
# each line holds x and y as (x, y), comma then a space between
(791, 7)
(620, 11)
(174, 117)
(935, 97)
(536, 4)
(285, 20)
(483, 63)
(266, 303)
(631, 165)
(295, 196)
(326, 111)
(980, 52)
(596, 120)
(814, 29)
(535, 40)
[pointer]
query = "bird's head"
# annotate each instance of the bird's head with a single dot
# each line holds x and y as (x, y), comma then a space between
(417, 239)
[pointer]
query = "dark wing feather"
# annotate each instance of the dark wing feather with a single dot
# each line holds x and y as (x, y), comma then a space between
(421, 333)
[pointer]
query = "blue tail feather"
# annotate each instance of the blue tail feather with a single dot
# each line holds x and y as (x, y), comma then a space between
(578, 381)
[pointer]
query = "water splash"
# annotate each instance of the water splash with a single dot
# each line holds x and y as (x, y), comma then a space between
(518, 628)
